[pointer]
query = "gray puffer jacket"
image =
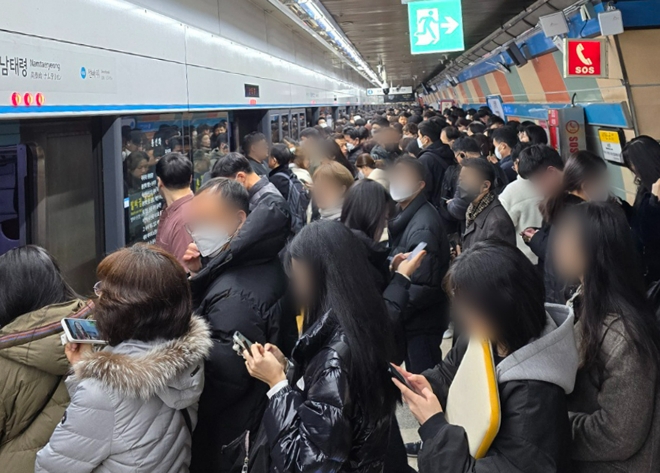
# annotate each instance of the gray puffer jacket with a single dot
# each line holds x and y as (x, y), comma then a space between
(125, 408)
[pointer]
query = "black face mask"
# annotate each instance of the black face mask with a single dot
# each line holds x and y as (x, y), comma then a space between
(467, 194)
(393, 148)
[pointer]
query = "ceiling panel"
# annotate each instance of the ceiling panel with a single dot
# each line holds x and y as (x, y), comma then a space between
(379, 30)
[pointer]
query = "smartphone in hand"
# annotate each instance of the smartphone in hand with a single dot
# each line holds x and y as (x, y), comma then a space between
(399, 377)
(81, 331)
(241, 343)
(416, 251)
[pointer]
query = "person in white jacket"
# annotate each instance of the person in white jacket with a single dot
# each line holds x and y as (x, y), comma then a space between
(521, 200)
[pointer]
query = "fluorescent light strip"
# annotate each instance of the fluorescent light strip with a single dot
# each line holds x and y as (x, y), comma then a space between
(312, 10)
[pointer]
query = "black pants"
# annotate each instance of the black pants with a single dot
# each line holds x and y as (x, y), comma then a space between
(423, 352)
(396, 460)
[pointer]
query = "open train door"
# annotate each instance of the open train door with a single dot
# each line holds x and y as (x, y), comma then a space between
(13, 205)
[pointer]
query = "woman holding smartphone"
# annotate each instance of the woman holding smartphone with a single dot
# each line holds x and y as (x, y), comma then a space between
(33, 300)
(615, 408)
(498, 295)
(332, 411)
(134, 403)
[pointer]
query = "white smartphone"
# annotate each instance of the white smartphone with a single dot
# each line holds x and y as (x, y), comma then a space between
(416, 251)
(81, 331)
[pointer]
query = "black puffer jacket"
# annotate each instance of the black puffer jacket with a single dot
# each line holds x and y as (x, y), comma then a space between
(436, 158)
(394, 287)
(319, 427)
(355, 153)
(427, 310)
(243, 289)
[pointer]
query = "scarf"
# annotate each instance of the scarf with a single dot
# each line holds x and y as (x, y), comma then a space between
(473, 211)
(333, 213)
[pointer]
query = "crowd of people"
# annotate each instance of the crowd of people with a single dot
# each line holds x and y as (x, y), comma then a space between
(259, 333)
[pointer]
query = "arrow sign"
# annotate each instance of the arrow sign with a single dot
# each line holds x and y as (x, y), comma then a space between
(436, 26)
(450, 26)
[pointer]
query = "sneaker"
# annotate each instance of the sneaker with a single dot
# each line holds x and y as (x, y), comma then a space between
(413, 448)
(449, 333)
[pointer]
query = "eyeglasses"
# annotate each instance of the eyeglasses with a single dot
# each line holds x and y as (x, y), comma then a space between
(97, 289)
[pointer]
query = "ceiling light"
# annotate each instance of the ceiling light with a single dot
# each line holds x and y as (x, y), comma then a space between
(312, 17)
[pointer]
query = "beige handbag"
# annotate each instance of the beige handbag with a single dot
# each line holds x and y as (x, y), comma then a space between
(474, 401)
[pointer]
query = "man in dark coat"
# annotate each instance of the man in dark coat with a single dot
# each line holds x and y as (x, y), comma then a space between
(238, 285)
(505, 140)
(417, 221)
(436, 157)
(255, 147)
(485, 218)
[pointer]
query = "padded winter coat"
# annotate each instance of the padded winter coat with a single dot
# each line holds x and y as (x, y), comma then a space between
(242, 289)
(436, 158)
(315, 423)
(428, 306)
(126, 408)
(32, 391)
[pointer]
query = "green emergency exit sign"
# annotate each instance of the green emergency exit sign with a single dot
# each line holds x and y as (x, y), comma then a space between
(436, 26)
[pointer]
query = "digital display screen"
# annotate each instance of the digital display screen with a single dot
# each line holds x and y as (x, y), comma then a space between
(252, 91)
(82, 329)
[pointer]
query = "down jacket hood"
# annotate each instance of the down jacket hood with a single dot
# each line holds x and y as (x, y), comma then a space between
(553, 357)
(170, 370)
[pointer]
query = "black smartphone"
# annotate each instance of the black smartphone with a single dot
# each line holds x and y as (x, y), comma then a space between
(399, 377)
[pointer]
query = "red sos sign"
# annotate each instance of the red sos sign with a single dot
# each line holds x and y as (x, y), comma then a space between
(585, 58)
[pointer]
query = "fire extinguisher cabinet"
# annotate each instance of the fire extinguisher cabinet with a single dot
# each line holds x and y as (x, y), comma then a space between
(566, 127)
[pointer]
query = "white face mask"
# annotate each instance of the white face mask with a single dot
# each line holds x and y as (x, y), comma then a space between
(292, 150)
(498, 154)
(401, 192)
(350, 146)
(420, 143)
(209, 239)
(360, 175)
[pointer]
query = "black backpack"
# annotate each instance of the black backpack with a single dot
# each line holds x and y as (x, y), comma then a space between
(298, 199)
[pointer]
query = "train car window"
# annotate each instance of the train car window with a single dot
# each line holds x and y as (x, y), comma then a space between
(302, 121)
(275, 134)
(286, 126)
(203, 137)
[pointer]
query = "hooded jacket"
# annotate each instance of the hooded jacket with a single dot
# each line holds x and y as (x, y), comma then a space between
(125, 412)
(436, 158)
(242, 289)
(427, 310)
(319, 427)
(533, 383)
(32, 391)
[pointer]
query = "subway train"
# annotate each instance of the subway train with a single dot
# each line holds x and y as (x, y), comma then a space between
(110, 77)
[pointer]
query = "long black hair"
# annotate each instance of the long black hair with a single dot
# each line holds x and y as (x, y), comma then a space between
(498, 279)
(31, 280)
(642, 156)
(367, 206)
(344, 286)
(331, 150)
(613, 282)
(580, 168)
